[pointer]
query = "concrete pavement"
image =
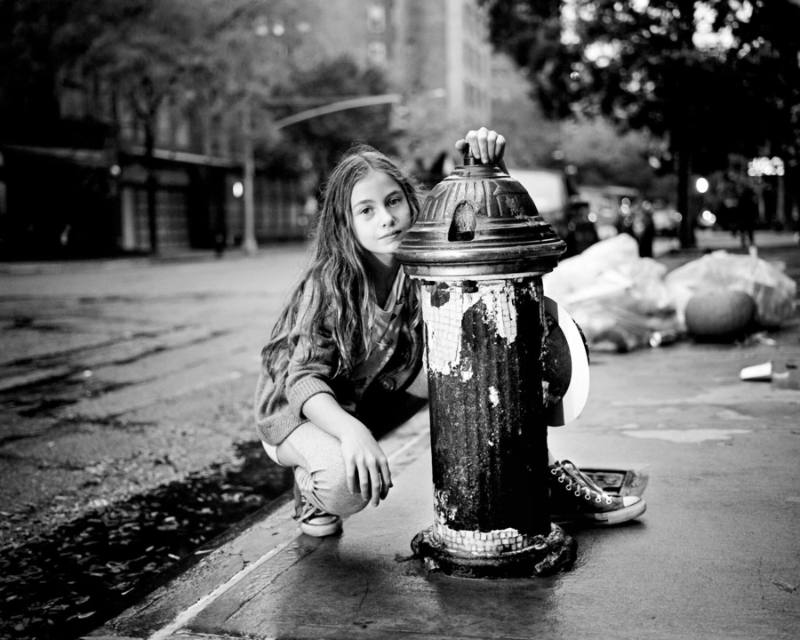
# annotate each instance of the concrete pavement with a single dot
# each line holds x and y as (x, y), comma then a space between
(717, 554)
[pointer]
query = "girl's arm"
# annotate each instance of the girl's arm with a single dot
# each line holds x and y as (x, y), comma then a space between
(366, 465)
(310, 395)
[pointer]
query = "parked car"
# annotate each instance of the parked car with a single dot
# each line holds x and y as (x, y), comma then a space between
(559, 203)
(620, 209)
(667, 221)
(603, 210)
(613, 208)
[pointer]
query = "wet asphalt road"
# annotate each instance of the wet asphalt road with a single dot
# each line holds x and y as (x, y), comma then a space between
(117, 377)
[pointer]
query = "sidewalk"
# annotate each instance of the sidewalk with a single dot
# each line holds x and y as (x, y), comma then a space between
(716, 555)
(713, 240)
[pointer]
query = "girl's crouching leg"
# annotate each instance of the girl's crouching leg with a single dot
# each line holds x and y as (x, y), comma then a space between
(327, 490)
(319, 470)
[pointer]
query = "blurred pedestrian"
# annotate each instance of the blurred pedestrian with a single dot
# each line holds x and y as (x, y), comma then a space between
(644, 229)
(728, 203)
(350, 337)
(747, 215)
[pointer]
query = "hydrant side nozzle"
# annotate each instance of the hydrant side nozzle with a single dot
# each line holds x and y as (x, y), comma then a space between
(462, 228)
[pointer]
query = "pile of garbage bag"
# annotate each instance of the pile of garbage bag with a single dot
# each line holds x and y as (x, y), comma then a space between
(770, 288)
(623, 302)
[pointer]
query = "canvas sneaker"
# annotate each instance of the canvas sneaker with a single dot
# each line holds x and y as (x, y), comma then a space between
(318, 523)
(574, 494)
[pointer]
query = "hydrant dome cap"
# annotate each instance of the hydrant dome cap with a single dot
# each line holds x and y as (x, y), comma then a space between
(480, 216)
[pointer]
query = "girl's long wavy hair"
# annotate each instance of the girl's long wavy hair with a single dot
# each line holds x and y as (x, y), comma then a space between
(335, 298)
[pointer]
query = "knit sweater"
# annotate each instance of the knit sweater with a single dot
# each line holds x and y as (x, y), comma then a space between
(392, 360)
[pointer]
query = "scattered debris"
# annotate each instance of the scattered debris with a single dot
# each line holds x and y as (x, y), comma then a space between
(789, 379)
(77, 576)
(757, 372)
(785, 586)
(786, 376)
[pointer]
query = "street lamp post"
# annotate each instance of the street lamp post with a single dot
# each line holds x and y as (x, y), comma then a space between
(249, 243)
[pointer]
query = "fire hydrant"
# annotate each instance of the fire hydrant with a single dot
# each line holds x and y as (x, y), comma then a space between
(478, 252)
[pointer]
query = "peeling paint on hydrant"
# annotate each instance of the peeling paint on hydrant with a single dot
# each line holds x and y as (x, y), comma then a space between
(444, 314)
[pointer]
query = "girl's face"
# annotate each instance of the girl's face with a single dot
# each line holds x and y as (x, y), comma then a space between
(381, 215)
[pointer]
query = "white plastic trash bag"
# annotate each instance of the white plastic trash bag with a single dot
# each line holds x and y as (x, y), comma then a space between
(611, 270)
(615, 296)
(578, 277)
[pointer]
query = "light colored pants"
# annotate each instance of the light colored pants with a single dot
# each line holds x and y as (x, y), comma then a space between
(324, 482)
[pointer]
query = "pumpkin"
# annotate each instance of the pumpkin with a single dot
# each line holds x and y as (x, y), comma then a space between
(719, 315)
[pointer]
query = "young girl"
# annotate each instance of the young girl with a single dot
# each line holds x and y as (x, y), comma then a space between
(350, 339)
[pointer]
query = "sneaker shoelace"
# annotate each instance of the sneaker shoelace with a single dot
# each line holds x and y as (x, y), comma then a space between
(309, 512)
(582, 483)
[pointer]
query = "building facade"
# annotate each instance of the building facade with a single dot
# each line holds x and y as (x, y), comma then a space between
(434, 53)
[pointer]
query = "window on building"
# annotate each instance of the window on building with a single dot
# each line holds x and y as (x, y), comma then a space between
(469, 94)
(72, 102)
(182, 132)
(469, 20)
(376, 53)
(376, 18)
(127, 120)
(3, 198)
(164, 129)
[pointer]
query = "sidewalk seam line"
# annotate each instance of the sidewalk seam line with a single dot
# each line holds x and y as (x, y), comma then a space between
(192, 611)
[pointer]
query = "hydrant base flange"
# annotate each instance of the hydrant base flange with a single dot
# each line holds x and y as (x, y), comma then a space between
(547, 555)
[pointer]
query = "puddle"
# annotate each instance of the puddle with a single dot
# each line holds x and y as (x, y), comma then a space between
(686, 436)
(68, 582)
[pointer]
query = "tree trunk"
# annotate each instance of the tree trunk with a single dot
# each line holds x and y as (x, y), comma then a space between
(792, 202)
(249, 243)
(686, 235)
(151, 184)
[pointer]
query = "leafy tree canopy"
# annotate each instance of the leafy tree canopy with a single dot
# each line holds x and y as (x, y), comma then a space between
(718, 76)
(713, 77)
(328, 137)
(39, 41)
(213, 58)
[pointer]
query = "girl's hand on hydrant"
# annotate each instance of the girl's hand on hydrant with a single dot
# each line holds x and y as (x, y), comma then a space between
(485, 145)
